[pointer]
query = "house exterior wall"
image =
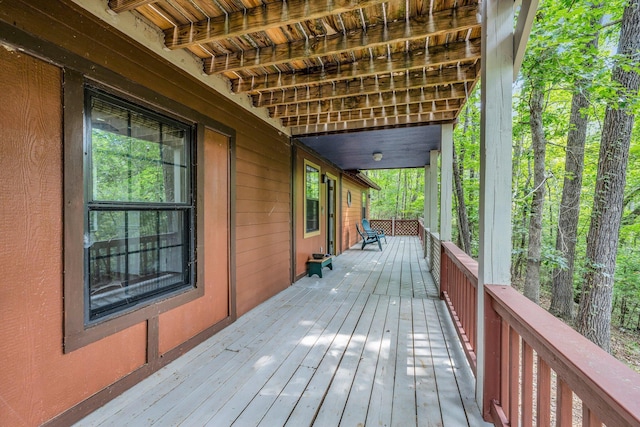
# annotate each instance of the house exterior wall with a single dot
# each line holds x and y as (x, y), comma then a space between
(263, 222)
(37, 381)
(244, 251)
(317, 243)
(178, 325)
(346, 214)
(351, 214)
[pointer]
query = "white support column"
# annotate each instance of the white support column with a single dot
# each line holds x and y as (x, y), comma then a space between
(426, 212)
(446, 181)
(427, 197)
(494, 261)
(433, 191)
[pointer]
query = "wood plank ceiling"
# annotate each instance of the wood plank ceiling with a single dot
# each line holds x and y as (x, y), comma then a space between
(324, 66)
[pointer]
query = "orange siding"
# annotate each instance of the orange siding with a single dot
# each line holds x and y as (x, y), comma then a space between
(351, 214)
(184, 322)
(259, 277)
(263, 218)
(318, 243)
(38, 381)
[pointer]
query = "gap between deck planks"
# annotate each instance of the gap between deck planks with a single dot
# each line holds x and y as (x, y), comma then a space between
(369, 344)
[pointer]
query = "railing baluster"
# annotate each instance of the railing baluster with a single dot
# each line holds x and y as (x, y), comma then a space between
(589, 419)
(505, 392)
(527, 385)
(544, 394)
(564, 404)
(514, 375)
(515, 330)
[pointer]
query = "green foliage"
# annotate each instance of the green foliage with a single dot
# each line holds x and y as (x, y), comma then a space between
(557, 58)
(401, 195)
(127, 169)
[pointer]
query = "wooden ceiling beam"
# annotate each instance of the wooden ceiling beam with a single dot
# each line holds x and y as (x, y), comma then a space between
(373, 113)
(434, 57)
(257, 19)
(119, 6)
(438, 23)
(386, 99)
(417, 119)
(371, 85)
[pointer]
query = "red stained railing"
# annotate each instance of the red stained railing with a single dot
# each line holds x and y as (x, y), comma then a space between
(538, 371)
(421, 231)
(458, 288)
(431, 246)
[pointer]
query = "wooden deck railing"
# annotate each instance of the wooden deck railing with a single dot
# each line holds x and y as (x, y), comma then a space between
(458, 288)
(538, 371)
(396, 227)
(431, 245)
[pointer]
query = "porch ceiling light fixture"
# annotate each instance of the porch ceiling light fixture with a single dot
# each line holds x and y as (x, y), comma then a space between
(377, 156)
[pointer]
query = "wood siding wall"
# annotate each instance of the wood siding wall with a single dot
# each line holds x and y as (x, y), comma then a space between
(318, 243)
(180, 324)
(38, 381)
(351, 215)
(263, 195)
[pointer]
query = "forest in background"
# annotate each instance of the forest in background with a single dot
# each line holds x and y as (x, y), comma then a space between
(574, 104)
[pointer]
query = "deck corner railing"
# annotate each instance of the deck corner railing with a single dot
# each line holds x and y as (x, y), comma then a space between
(458, 288)
(431, 247)
(537, 370)
(397, 227)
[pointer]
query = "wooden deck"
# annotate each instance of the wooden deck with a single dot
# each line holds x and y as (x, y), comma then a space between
(368, 344)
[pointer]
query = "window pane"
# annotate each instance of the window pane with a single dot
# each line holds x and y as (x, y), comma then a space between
(136, 158)
(134, 255)
(312, 195)
(312, 216)
(313, 183)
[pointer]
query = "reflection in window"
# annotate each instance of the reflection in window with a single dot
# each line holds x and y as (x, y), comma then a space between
(312, 197)
(139, 206)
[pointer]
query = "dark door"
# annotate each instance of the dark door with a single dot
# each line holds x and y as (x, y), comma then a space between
(331, 215)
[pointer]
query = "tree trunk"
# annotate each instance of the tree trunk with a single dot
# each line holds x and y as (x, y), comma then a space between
(405, 194)
(398, 194)
(534, 251)
(521, 218)
(562, 287)
(594, 313)
(463, 218)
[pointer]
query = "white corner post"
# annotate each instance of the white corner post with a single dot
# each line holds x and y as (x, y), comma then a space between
(494, 257)
(427, 196)
(446, 181)
(433, 191)
(426, 211)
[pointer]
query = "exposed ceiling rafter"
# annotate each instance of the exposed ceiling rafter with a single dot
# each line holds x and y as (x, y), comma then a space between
(440, 23)
(438, 56)
(257, 19)
(335, 65)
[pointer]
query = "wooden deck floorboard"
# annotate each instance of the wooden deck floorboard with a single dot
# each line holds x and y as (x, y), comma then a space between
(368, 344)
